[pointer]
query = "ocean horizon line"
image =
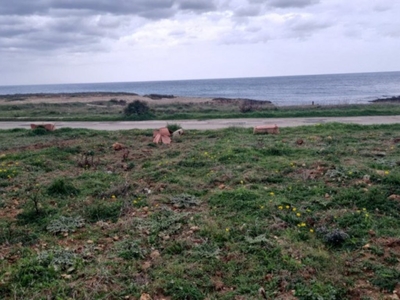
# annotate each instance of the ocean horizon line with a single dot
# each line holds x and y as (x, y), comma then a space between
(196, 79)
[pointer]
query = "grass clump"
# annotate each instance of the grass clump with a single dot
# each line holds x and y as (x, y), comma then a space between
(60, 187)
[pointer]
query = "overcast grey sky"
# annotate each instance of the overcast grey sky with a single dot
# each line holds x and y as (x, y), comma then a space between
(71, 41)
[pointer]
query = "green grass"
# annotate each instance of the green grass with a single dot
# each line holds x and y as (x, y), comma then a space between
(217, 215)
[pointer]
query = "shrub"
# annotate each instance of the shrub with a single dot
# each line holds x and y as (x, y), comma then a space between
(60, 187)
(173, 127)
(137, 108)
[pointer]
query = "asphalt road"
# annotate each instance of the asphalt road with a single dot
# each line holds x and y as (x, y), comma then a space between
(210, 124)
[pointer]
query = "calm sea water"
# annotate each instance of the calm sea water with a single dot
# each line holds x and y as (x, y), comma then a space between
(282, 91)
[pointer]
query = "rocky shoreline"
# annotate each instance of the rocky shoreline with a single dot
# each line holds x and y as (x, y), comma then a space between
(121, 98)
(394, 99)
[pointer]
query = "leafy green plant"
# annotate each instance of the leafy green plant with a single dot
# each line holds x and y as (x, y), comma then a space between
(184, 201)
(103, 211)
(335, 237)
(60, 187)
(173, 127)
(129, 250)
(180, 289)
(65, 224)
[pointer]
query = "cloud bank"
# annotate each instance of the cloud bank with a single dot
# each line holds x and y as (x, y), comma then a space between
(108, 31)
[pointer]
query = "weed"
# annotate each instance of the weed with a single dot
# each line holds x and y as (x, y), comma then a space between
(103, 211)
(180, 289)
(130, 250)
(65, 224)
(184, 201)
(386, 279)
(173, 127)
(335, 237)
(60, 187)
(87, 161)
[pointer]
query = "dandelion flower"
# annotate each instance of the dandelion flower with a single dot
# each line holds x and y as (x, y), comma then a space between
(298, 214)
(287, 206)
(272, 193)
(294, 208)
(311, 230)
(113, 196)
(227, 229)
(280, 207)
(386, 172)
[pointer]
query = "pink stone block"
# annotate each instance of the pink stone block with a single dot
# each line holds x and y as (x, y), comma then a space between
(48, 126)
(269, 129)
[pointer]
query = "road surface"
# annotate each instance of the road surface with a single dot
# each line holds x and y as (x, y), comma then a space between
(210, 124)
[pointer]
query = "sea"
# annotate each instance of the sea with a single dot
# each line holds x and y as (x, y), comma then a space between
(330, 89)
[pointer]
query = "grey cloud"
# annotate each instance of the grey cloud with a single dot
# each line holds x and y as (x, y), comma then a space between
(197, 5)
(248, 11)
(292, 3)
(286, 3)
(152, 9)
(300, 27)
(22, 7)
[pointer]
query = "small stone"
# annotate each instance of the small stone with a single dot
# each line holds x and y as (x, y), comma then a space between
(115, 238)
(145, 297)
(146, 265)
(155, 254)
(89, 241)
(195, 228)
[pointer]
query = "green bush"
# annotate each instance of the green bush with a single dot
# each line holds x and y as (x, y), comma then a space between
(137, 108)
(59, 188)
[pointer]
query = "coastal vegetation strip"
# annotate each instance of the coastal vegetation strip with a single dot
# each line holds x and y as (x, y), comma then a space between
(113, 107)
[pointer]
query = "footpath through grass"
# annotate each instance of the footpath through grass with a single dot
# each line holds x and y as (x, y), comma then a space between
(312, 213)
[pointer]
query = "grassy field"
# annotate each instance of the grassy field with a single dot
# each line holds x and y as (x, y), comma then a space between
(311, 213)
(113, 110)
